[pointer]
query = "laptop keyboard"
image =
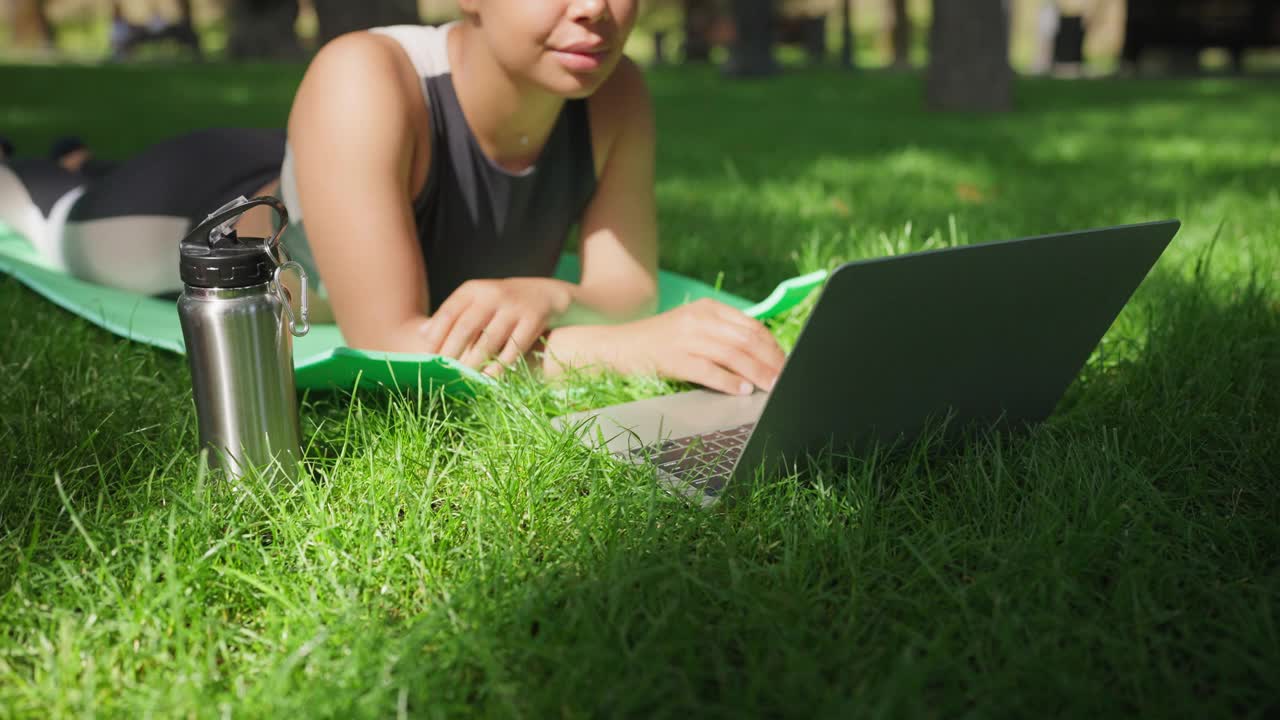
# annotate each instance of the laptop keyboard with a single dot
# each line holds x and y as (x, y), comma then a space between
(702, 461)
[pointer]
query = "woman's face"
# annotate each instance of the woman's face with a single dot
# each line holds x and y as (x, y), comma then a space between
(568, 47)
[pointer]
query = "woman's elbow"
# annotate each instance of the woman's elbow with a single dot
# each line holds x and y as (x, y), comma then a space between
(637, 302)
(647, 303)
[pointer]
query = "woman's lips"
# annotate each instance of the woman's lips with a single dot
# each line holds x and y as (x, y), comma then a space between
(582, 58)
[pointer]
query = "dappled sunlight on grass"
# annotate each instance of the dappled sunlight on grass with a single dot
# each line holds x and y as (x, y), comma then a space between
(456, 557)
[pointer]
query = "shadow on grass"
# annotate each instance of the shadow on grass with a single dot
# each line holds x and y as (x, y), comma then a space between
(1116, 557)
(868, 160)
(1119, 545)
(1111, 558)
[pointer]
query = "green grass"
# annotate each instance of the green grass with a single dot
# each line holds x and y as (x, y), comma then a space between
(460, 558)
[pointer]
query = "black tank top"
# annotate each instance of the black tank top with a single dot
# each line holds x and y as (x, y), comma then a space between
(475, 219)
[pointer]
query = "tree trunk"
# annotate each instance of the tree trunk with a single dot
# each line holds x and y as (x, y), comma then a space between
(969, 57)
(263, 29)
(184, 31)
(901, 34)
(699, 15)
(848, 50)
(337, 17)
(1068, 43)
(752, 52)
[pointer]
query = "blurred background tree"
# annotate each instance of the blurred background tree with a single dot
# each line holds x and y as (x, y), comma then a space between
(752, 49)
(969, 57)
(262, 29)
(335, 17)
(747, 37)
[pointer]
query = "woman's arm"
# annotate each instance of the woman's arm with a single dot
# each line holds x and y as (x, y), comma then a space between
(355, 140)
(705, 342)
(619, 250)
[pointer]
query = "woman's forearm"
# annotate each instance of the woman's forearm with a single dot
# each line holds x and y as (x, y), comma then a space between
(607, 306)
(402, 337)
(584, 347)
(574, 338)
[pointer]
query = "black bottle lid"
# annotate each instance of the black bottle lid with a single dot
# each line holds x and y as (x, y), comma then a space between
(231, 263)
(213, 255)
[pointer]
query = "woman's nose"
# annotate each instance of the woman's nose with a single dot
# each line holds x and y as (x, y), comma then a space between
(589, 10)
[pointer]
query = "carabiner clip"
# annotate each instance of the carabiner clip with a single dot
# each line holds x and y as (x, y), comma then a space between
(297, 327)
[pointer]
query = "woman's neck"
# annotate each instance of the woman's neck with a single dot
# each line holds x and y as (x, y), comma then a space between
(510, 119)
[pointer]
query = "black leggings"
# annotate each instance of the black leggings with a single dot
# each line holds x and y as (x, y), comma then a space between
(123, 229)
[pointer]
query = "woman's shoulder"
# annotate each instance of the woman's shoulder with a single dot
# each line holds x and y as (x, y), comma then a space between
(624, 91)
(620, 107)
(361, 57)
(425, 46)
(400, 56)
(361, 75)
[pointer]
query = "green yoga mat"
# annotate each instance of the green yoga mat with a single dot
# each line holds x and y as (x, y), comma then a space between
(321, 358)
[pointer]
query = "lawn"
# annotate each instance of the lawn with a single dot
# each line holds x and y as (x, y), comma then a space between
(460, 557)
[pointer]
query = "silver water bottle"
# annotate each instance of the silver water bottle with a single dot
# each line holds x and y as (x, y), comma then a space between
(238, 326)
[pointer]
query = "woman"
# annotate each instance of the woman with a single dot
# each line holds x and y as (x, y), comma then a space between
(432, 176)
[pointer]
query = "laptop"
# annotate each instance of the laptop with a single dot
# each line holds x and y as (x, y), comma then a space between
(987, 335)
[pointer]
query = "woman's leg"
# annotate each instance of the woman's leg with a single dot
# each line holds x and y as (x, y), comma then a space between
(124, 230)
(35, 195)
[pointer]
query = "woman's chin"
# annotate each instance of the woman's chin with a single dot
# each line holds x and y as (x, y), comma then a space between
(579, 93)
(568, 89)
(573, 85)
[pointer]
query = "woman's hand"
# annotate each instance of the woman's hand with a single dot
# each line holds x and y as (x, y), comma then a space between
(705, 342)
(492, 323)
